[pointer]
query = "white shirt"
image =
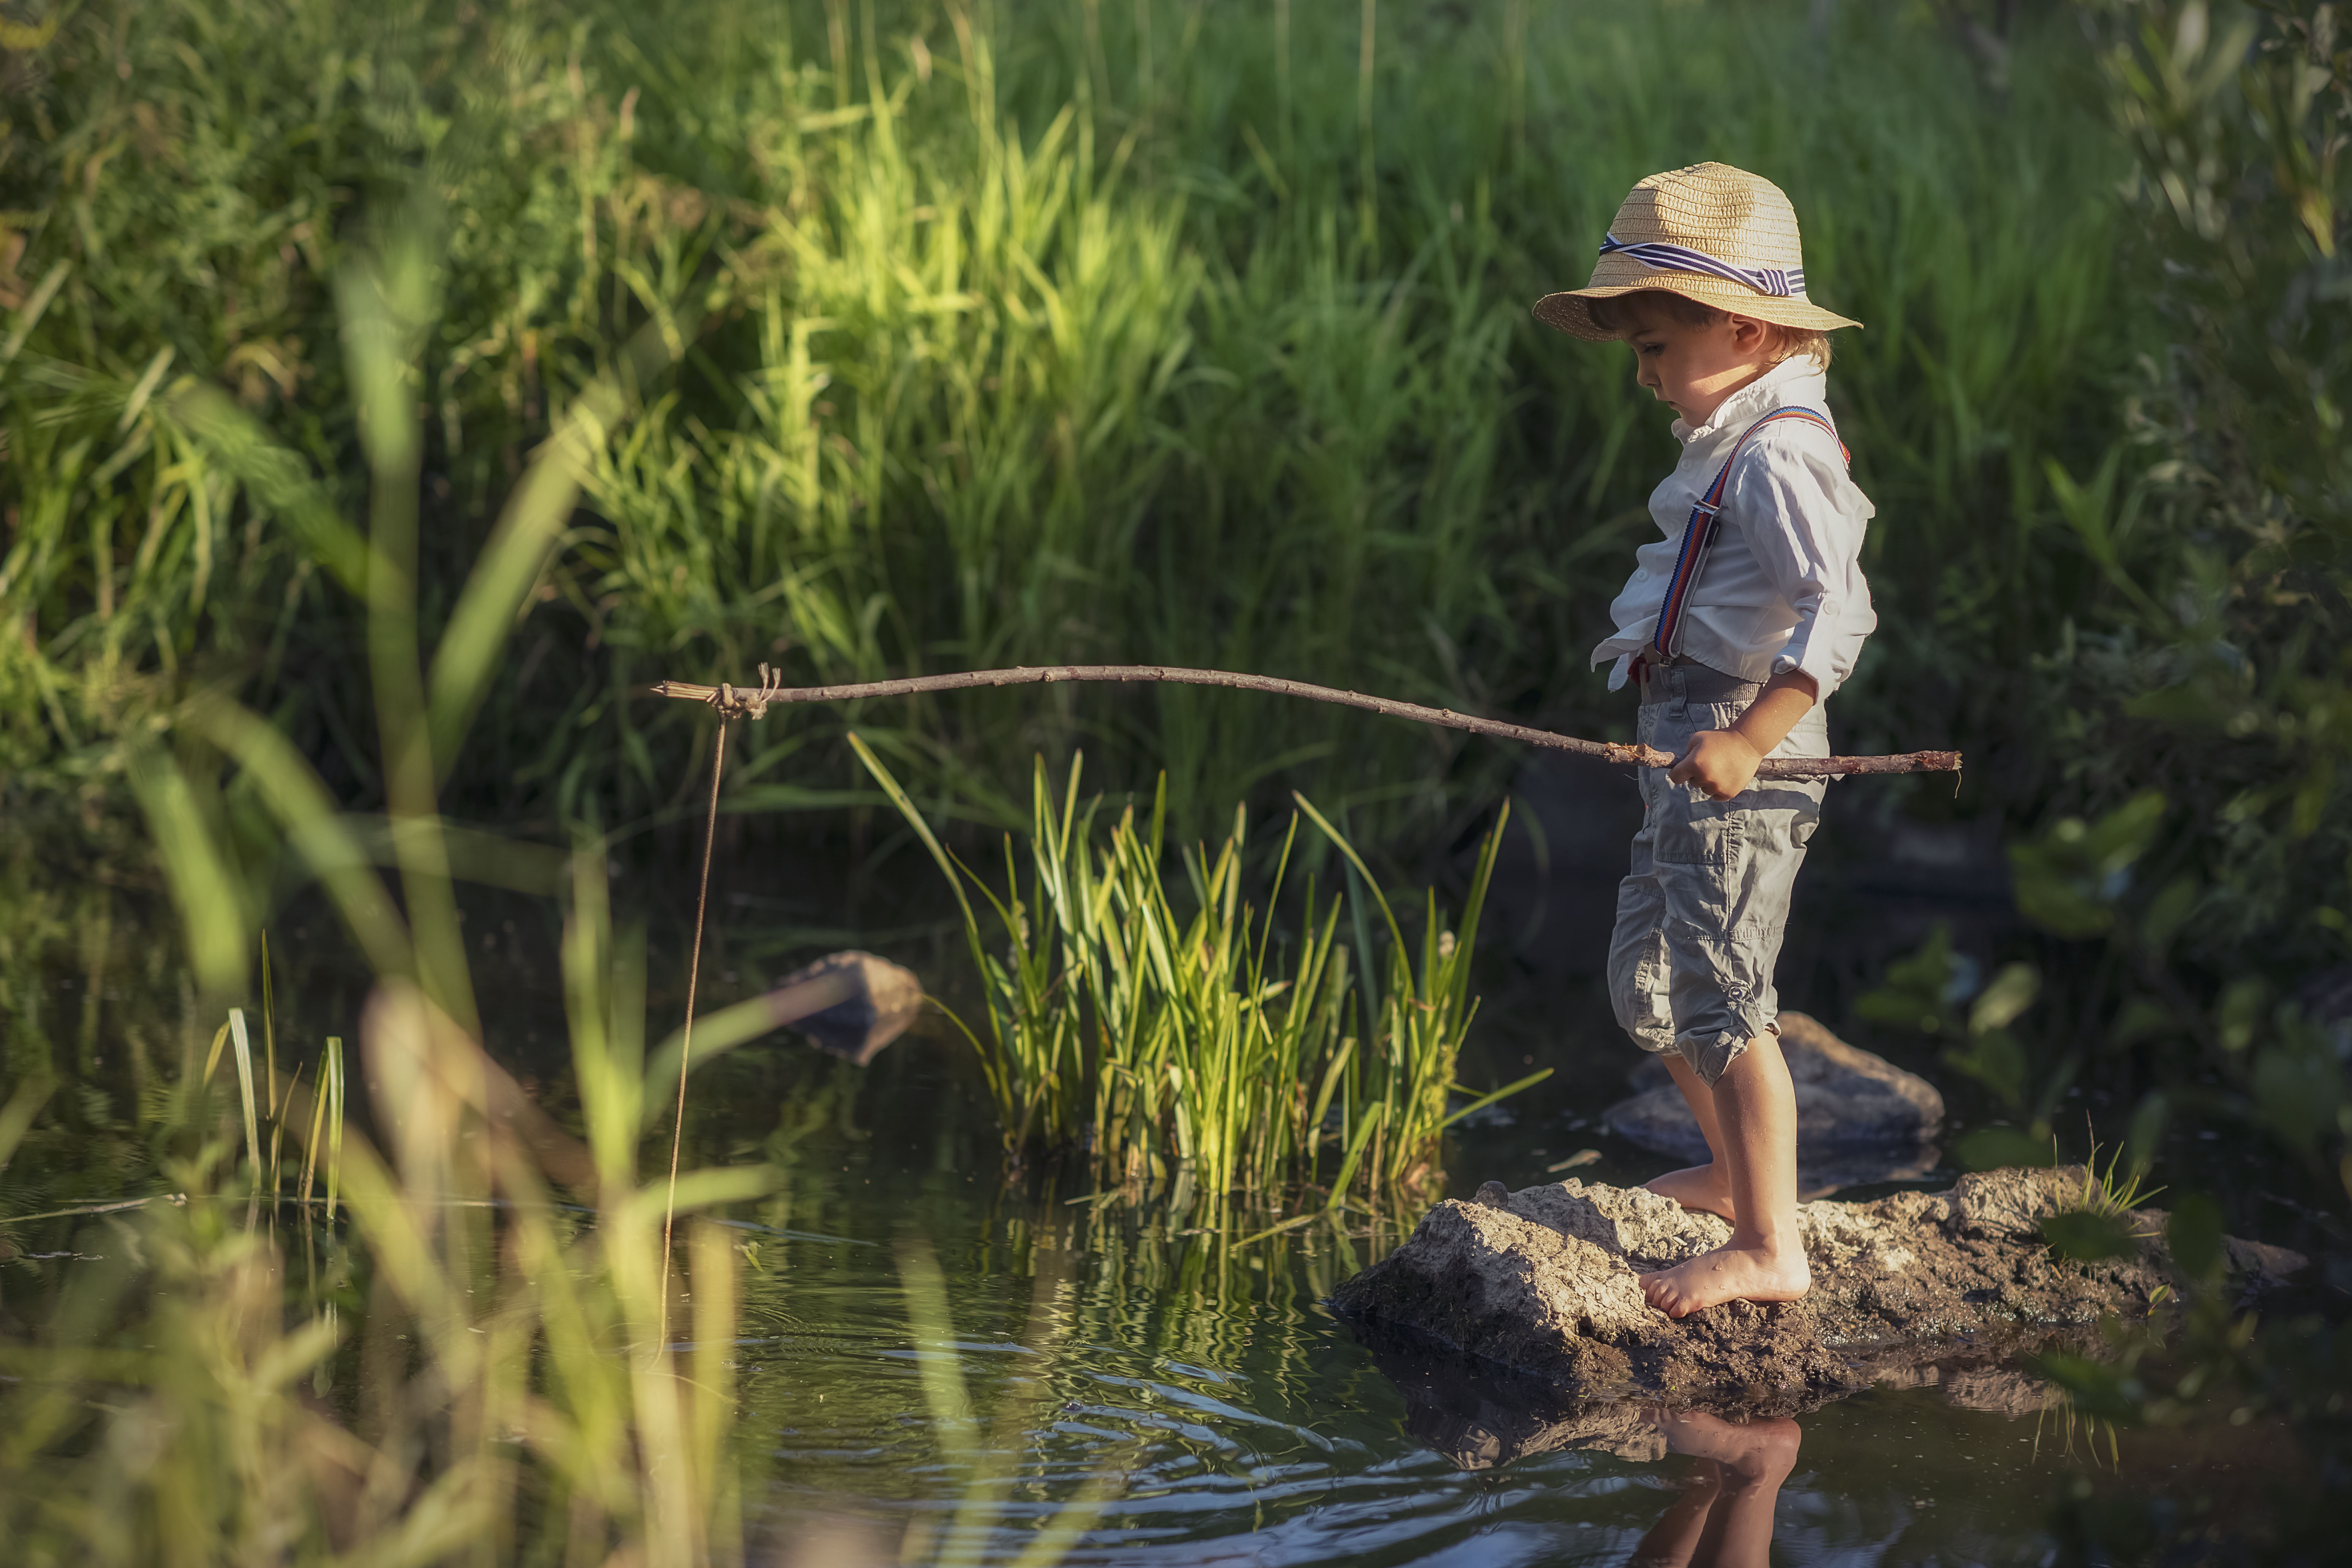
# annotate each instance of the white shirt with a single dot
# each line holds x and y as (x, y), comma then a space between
(1781, 588)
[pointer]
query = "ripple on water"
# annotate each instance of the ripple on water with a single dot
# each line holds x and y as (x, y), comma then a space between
(1246, 1425)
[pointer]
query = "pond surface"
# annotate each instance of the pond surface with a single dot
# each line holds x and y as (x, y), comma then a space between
(1087, 1381)
(1202, 1406)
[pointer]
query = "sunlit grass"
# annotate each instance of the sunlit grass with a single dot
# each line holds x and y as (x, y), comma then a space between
(1002, 335)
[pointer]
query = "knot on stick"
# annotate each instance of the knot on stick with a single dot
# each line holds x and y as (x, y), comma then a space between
(746, 702)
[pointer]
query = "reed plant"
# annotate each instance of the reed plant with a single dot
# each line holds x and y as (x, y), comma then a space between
(1186, 1056)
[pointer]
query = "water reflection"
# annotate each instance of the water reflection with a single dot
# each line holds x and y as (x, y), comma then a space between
(1725, 1514)
(1482, 1418)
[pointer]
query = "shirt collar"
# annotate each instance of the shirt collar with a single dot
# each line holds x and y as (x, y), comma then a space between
(1796, 379)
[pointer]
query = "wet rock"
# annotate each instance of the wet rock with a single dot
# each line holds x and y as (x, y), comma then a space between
(1481, 1416)
(1860, 1118)
(850, 1004)
(1545, 1286)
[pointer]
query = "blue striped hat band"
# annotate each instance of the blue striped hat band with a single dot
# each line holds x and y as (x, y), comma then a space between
(1659, 255)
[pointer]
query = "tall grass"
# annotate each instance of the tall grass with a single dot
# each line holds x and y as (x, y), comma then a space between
(510, 1393)
(1186, 1057)
(1175, 334)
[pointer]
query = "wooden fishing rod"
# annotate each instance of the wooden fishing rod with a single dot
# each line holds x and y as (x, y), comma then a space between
(753, 702)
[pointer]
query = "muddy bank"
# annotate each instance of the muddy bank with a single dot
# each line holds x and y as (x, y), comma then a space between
(1541, 1283)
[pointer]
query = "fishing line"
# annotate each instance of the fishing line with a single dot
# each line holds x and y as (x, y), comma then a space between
(685, 1036)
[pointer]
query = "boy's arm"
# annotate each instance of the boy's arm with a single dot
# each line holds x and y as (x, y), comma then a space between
(1723, 761)
(1807, 528)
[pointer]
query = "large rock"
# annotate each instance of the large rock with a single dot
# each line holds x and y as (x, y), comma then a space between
(1541, 1283)
(1860, 1118)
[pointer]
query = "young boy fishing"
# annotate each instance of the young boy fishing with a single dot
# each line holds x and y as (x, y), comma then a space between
(1740, 619)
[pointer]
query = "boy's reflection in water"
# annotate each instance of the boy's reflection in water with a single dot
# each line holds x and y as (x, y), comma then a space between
(1725, 1516)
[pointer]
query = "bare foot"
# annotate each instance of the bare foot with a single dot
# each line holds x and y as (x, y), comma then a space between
(1728, 1274)
(1702, 1187)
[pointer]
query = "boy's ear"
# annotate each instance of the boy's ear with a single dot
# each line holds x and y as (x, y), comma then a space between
(1749, 334)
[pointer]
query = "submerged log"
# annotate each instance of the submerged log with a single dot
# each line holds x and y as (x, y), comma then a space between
(1541, 1283)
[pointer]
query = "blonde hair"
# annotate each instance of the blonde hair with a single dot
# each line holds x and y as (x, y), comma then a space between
(1616, 313)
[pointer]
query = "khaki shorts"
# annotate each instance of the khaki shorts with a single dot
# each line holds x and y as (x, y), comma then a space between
(1700, 919)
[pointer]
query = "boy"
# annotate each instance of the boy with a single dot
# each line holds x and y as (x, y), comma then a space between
(1737, 625)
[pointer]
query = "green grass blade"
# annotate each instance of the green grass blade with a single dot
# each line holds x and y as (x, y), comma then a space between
(1372, 1121)
(36, 305)
(16, 1116)
(483, 622)
(1508, 1090)
(914, 819)
(243, 448)
(244, 1089)
(333, 1083)
(268, 1029)
(198, 867)
(315, 830)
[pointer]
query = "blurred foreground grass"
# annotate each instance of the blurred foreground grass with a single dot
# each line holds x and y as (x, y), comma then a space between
(517, 1393)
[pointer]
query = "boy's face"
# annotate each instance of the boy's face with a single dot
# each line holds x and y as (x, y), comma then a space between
(1692, 369)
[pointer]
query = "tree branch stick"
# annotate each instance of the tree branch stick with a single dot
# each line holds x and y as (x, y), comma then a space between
(752, 701)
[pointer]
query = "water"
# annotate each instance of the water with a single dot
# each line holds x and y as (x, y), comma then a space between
(1180, 1397)
(1243, 1423)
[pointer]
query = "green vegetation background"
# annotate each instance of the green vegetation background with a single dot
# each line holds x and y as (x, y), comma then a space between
(1173, 332)
(925, 336)
(917, 336)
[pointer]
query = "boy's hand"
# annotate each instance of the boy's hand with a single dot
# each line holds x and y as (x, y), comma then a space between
(1722, 762)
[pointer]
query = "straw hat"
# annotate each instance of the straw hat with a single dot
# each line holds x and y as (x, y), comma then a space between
(1712, 233)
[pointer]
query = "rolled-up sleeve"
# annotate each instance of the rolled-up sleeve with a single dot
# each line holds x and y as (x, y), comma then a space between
(1804, 521)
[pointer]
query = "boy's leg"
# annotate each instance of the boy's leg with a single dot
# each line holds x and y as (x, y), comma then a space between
(1641, 978)
(1728, 870)
(1755, 1117)
(1707, 1188)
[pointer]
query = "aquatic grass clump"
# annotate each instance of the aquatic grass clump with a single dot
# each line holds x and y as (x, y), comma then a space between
(279, 1107)
(1183, 1054)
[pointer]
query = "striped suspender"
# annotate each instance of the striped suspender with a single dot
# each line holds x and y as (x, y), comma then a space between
(1699, 533)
